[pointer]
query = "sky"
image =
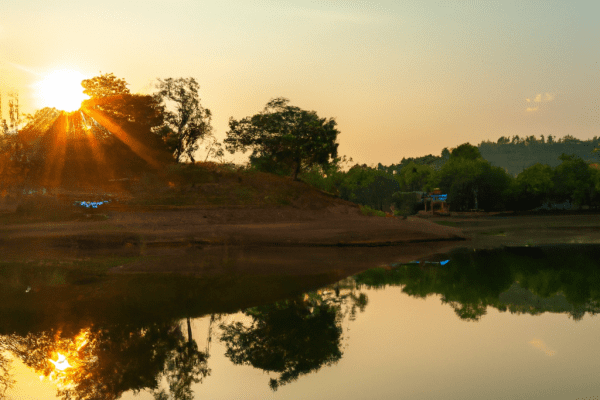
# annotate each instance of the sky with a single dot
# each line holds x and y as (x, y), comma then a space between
(401, 78)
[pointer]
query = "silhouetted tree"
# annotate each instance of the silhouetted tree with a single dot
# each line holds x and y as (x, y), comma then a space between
(106, 85)
(288, 136)
(189, 122)
(132, 121)
(466, 151)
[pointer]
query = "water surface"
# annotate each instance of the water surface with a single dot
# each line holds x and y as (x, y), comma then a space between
(517, 323)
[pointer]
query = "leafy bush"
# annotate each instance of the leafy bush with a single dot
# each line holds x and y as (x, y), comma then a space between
(366, 210)
(405, 203)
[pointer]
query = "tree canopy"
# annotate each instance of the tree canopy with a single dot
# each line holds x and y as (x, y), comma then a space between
(104, 86)
(132, 119)
(285, 135)
(187, 122)
(466, 151)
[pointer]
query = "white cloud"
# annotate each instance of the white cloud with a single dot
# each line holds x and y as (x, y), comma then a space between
(539, 98)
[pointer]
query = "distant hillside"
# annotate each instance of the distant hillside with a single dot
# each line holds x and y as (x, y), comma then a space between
(516, 154)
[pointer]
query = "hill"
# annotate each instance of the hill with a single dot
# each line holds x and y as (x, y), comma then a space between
(518, 154)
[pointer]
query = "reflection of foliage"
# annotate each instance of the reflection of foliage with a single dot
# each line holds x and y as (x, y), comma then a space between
(292, 338)
(6, 380)
(559, 280)
(109, 361)
(185, 365)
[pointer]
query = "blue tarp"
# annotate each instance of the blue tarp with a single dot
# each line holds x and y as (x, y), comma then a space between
(92, 204)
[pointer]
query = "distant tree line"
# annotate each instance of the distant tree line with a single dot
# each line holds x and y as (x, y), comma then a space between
(517, 153)
(469, 180)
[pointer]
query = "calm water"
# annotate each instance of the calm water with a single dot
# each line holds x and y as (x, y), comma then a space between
(505, 324)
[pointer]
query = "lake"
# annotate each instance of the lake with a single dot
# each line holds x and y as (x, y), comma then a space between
(510, 323)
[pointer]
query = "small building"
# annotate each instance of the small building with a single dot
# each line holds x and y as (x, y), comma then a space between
(436, 199)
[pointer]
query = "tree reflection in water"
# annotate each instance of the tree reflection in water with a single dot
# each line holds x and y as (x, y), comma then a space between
(6, 380)
(292, 337)
(298, 336)
(186, 365)
(106, 362)
(519, 279)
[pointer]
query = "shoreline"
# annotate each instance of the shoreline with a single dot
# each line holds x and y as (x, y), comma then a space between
(283, 240)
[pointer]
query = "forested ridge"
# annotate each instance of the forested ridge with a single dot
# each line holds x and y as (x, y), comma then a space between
(517, 153)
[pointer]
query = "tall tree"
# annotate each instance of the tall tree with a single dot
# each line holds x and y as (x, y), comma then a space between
(534, 185)
(132, 119)
(287, 135)
(573, 180)
(185, 120)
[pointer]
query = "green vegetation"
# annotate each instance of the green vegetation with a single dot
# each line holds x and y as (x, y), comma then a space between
(518, 153)
(366, 210)
(557, 279)
(284, 138)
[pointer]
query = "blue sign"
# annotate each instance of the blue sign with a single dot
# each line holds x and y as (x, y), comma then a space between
(439, 197)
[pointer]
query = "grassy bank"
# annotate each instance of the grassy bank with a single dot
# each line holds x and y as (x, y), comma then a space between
(202, 184)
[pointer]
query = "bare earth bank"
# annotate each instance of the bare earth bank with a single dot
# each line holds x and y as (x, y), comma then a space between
(242, 240)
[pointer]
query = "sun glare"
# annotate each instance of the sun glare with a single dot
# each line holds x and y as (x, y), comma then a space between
(61, 89)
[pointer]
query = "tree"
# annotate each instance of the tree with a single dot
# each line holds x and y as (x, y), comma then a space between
(534, 185)
(106, 85)
(413, 177)
(466, 151)
(573, 180)
(289, 136)
(133, 121)
(189, 122)
(465, 180)
(369, 186)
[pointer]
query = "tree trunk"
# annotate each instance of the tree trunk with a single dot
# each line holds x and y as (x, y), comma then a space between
(296, 171)
(189, 331)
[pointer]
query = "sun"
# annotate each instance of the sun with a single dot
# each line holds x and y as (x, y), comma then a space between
(61, 89)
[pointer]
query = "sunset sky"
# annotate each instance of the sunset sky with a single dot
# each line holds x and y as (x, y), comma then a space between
(401, 78)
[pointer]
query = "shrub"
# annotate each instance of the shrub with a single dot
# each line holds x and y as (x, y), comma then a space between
(405, 203)
(366, 210)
